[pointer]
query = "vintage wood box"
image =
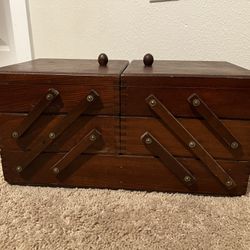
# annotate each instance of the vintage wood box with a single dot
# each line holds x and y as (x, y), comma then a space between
(58, 119)
(191, 121)
(171, 126)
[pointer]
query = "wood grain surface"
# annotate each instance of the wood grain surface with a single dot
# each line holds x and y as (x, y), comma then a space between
(187, 68)
(66, 67)
(121, 116)
(23, 97)
(224, 102)
(134, 127)
(107, 125)
(126, 172)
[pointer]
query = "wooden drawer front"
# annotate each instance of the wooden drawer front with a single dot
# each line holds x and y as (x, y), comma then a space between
(133, 128)
(225, 103)
(137, 173)
(108, 126)
(17, 97)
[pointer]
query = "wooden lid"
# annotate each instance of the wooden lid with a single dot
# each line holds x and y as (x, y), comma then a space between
(67, 67)
(187, 69)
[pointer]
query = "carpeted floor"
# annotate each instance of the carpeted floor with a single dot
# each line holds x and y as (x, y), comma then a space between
(56, 218)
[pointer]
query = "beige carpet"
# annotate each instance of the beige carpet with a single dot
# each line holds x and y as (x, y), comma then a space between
(56, 218)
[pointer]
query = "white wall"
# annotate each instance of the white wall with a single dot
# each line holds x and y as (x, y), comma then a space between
(3, 24)
(7, 48)
(14, 32)
(126, 29)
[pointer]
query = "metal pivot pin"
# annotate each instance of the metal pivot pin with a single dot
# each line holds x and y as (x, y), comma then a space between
(148, 140)
(15, 134)
(152, 102)
(229, 183)
(49, 97)
(19, 169)
(196, 102)
(52, 135)
(90, 98)
(234, 145)
(192, 144)
(92, 137)
(187, 178)
(56, 170)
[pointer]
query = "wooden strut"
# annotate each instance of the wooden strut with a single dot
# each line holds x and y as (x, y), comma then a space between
(183, 174)
(34, 114)
(194, 146)
(91, 138)
(213, 121)
(46, 140)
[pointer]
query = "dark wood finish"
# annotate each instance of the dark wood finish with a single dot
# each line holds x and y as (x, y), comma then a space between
(16, 97)
(107, 125)
(223, 86)
(55, 147)
(213, 121)
(65, 67)
(186, 68)
(148, 60)
(194, 146)
(22, 85)
(44, 141)
(103, 60)
(169, 161)
(35, 113)
(227, 103)
(134, 127)
(91, 138)
(116, 172)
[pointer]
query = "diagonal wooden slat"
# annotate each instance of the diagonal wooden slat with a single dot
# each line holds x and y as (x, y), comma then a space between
(213, 121)
(182, 173)
(194, 146)
(45, 140)
(34, 114)
(91, 138)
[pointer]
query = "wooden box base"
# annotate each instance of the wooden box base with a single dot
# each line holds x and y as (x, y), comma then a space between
(124, 172)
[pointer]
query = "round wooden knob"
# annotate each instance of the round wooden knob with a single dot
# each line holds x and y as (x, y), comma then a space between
(103, 59)
(148, 60)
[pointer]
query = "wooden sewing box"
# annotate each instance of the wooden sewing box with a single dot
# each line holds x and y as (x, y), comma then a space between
(171, 126)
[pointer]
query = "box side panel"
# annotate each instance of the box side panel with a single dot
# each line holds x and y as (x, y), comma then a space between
(134, 127)
(136, 173)
(22, 95)
(108, 126)
(226, 102)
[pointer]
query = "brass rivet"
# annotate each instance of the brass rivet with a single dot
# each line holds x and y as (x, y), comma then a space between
(187, 178)
(90, 98)
(234, 145)
(229, 183)
(49, 97)
(196, 102)
(52, 135)
(19, 169)
(15, 134)
(56, 170)
(192, 144)
(152, 102)
(92, 137)
(148, 140)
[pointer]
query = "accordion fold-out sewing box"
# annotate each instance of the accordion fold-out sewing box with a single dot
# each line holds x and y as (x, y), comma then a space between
(172, 126)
